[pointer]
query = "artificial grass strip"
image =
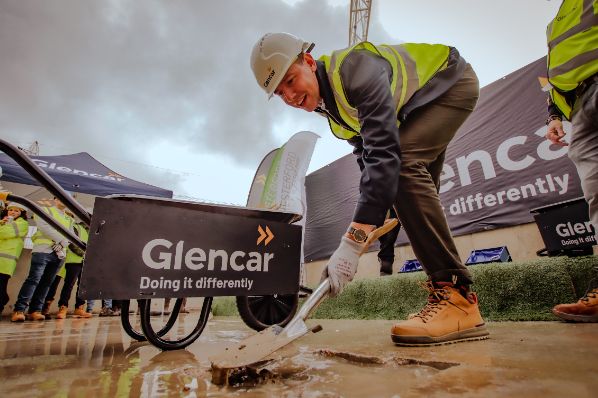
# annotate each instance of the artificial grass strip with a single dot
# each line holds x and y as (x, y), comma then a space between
(224, 306)
(517, 291)
(522, 291)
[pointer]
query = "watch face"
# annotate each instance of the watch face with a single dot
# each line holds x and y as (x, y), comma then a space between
(359, 235)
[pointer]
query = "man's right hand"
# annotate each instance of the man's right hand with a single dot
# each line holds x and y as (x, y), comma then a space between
(342, 266)
(555, 133)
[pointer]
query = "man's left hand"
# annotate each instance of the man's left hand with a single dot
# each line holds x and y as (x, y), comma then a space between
(555, 133)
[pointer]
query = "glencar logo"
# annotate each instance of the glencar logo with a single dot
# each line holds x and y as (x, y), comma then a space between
(164, 254)
(270, 76)
(112, 176)
(264, 236)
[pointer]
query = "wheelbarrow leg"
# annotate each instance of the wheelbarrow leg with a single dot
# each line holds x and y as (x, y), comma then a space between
(126, 322)
(167, 345)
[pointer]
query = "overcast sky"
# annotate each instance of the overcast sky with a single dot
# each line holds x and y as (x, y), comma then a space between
(162, 92)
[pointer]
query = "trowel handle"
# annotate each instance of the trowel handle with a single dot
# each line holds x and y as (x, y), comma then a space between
(314, 299)
(378, 232)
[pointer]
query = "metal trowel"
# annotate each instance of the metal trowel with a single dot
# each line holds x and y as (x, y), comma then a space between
(264, 343)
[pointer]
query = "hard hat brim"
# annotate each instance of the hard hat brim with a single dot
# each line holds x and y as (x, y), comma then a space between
(305, 48)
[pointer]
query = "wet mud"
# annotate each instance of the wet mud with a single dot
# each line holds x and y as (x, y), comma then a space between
(349, 358)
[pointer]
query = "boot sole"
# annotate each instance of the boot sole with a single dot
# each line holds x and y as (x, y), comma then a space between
(576, 318)
(475, 334)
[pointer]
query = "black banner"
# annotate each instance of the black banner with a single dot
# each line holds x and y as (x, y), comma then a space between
(497, 168)
(149, 248)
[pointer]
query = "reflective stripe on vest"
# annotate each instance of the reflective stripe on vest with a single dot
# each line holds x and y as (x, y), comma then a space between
(572, 38)
(413, 65)
(4, 255)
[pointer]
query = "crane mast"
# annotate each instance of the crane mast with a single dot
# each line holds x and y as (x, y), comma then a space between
(359, 21)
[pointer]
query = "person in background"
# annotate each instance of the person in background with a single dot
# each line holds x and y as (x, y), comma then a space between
(166, 309)
(13, 229)
(110, 308)
(572, 83)
(386, 254)
(71, 272)
(405, 102)
(49, 251)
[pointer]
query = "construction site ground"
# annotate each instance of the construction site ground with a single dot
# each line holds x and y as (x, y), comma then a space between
(348, 358)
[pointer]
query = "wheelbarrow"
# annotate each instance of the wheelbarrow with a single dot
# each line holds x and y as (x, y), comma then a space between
(145, 248)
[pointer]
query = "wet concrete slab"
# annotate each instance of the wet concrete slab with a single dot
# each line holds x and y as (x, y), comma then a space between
(349, 358)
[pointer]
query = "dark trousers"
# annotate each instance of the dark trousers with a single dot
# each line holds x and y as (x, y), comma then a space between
(387, 241)
(42, 271)
(73, 272)
(424, 137)
(3, 291)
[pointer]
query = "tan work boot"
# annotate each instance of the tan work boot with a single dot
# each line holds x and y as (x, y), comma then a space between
(46, 308)
(447, 318)
(585, 310)
(35, 316)
(17, 316)
(61, 314)
(81, 313)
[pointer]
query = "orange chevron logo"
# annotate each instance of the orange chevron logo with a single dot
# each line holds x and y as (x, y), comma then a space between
(265, 236)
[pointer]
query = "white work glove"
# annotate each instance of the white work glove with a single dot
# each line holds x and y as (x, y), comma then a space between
(342, 266)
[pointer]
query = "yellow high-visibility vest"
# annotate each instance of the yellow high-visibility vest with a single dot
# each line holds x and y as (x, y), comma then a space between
(11, 244)
(413, 65)
(572, 39)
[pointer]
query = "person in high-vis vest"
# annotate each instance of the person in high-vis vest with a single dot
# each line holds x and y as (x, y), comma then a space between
(572, 83)
(399, 106)
(13, 229)
(49, 251)
(70, 273)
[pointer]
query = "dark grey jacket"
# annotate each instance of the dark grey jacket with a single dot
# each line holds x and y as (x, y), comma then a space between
(366, 79)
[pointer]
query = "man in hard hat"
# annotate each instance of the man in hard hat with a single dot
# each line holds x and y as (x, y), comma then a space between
(573, 87)
(399, 106)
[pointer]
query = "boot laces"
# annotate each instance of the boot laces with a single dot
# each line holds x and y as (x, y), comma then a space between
(437, 298)
(591, 294)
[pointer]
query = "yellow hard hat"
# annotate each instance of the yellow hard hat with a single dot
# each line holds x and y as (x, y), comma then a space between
(273, 55)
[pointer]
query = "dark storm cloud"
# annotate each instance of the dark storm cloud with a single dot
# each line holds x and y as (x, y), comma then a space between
(117, 77)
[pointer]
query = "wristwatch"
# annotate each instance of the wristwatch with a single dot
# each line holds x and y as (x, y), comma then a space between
(358, 235)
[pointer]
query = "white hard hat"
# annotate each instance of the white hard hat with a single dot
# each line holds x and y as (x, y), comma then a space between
(15, 205)
(273, 55)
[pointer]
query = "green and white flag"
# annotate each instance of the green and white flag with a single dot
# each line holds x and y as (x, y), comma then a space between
(279, 182)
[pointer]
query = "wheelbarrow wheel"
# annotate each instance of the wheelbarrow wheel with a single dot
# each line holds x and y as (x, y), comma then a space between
(261, 312)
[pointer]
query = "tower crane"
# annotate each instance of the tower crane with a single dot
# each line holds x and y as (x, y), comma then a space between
(359, 21)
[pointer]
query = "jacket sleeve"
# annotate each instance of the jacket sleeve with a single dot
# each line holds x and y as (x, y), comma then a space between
(366, 79)
(357, 144)
(49, 231)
